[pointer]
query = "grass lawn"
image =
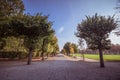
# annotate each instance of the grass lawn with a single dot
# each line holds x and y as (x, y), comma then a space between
(96, 57)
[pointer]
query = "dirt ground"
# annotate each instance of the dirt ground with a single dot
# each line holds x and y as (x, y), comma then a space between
(59, 68)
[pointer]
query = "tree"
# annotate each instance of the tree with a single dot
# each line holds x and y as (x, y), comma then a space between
(70, 48)
(43, 29)
(63, 51)
(95, 31)
(67, 48)
(44, 47)
(57, 50)
(49, 46)
(54, 44)
(33, 28)
(47, 33)
(75, 47)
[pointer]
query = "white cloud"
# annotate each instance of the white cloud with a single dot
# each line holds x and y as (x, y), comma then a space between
(61, 30)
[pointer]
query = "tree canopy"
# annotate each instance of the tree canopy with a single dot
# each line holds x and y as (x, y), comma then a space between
(95, 31)
(34, 30)
(10, 8)
(69, 48)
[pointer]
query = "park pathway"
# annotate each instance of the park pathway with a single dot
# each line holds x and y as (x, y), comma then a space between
(59, 68)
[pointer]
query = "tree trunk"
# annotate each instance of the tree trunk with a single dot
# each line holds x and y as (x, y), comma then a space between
(42, 55)
(101, 58)
(29, 56)
(19, 56)
(54, 54)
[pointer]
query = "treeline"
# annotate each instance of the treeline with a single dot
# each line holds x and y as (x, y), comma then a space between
(25, 35)
(114, 49)
(69, 48)
(72, 48)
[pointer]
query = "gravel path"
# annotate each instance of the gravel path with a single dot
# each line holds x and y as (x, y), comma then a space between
(59, 68)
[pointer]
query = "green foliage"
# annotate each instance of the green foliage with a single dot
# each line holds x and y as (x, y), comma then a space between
(95, 31)
(10, 8)
(50, 45)
(75, 47)
(70, 48)
(30, 33)
(18, 44)
(13, 54)
(33, 30)
(63, 51)
(67, 47)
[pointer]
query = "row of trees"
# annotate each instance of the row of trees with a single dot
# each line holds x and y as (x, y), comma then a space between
(69, 48)
(115, 49)
(32, 33)
(95, 32)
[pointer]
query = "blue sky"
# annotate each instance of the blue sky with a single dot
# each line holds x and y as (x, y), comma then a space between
(66, 14)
